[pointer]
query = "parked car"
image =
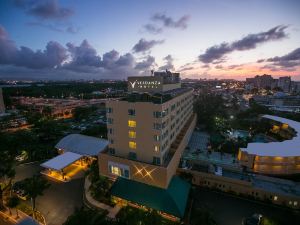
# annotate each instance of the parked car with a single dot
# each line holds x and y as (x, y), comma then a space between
(18, 189)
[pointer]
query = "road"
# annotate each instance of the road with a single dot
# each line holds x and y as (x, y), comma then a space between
(230, 210)
(60, 200)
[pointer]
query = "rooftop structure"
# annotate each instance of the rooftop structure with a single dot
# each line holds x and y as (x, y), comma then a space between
(82, 144)
(278, 158)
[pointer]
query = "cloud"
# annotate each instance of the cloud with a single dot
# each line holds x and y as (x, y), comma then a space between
(159, 21)
(52, 56)
(146, 64)
(169, 63)
(46, 9)
(47, 26)
(153, 29)
(187, 69)
(144, 45)
(218, 52)
(167, 21)
(71, 62)
(84, 54)
(287, 62)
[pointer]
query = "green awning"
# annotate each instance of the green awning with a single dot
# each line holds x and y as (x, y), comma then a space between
(172, 200)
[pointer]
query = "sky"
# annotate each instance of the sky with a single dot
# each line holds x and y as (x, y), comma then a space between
(114, 39)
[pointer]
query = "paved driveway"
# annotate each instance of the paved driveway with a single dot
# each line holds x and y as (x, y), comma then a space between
(60, 200)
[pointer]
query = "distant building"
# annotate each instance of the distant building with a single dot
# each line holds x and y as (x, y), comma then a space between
(285, 83)
(262, 81)
(275, 158)
(2, 106)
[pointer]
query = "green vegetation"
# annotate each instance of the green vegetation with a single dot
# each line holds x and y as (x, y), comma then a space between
(13, 202)
(100, 185)
(84, 216)
(202, 216)
(66, 89)
(83, 112)
(210, 109)
(126, 216)
(133, 216)
(35, 186)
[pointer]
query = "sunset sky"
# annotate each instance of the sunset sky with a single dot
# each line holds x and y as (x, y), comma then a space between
(76, 39)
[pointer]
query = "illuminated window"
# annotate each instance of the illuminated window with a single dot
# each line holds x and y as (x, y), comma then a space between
(115, 170)
(156, 148)
(275, 198)
(295, 203)
(131, 123)
(132, 144)
(132, 134)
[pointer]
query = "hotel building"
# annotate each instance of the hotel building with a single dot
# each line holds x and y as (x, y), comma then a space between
(148, 131)
(275, 158)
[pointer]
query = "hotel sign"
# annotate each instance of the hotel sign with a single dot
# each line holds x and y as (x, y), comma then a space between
(144, 84)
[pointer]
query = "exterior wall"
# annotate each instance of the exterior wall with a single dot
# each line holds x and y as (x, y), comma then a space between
(241, 187)
(145, 143)
(270, 165)
(156, 175)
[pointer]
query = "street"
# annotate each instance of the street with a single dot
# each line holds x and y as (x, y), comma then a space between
(230, 210)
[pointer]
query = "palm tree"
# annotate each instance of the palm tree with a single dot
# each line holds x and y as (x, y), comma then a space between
(7, 173)
(34, 187)
(13, 202)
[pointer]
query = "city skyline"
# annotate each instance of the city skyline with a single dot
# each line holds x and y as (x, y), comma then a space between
(109, 40)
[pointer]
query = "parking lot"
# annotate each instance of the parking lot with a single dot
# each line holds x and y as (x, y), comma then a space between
(60, 200)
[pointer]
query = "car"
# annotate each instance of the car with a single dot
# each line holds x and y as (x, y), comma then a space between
(18, 189)
(255, 219)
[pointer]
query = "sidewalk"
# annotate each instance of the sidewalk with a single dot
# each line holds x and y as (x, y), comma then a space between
(13, 217)
(112, 211)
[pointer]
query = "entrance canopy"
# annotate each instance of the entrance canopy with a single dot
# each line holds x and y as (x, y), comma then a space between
(172, 200)
(62, 161)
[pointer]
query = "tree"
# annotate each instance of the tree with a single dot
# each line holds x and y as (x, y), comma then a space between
(86, 217)
(7, 172)
(209, 107)
(35, 186)
(13, 202)
(202, 216)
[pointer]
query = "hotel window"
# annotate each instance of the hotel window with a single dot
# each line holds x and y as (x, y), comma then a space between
(295, 203)
(275, 198)
(156, 160)
(156, 138)
(109, 110)
(132, 155)
(156, 148)
(131, 123)
(110, 120)
(131, 112)
(157, 114)
(132, 134)
(119, 171)
(111, 141)
(156, 126)
(112, 151)
(110, 131)
(132, 144)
